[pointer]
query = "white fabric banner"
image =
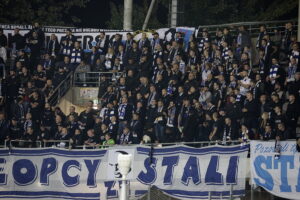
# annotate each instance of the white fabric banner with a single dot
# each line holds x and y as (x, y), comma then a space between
(88, 35)
(182, 172)
(279, 174)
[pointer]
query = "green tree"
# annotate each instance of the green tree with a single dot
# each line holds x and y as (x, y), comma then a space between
(50, 12)
(207, 12)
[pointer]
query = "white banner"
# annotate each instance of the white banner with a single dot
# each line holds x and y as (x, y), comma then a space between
(182, 172)
(279, 174)
(85, 35)
(88, 35)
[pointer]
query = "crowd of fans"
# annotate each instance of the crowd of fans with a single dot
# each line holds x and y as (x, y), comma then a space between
(211, 89)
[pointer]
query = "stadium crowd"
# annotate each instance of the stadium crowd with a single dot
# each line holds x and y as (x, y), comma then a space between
(211, 89)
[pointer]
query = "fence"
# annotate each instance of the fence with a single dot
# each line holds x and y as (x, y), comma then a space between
(61, 90)
(22, 143)
(93, 79)
(67, 144)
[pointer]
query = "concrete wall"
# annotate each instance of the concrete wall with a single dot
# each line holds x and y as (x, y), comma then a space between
(78, 97)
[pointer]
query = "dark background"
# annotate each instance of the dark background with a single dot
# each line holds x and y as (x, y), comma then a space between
(109, 13)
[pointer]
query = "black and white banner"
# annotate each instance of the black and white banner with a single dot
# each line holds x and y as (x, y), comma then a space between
(87, 35)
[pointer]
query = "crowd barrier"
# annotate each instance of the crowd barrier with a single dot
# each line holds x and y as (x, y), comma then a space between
(93, 79)
(67, 144)
(60, 90)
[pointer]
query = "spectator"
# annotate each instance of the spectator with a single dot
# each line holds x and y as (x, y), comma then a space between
(53, 46)
(91, 140)
(4, 127)
(67, 43)
(29, 138)
(102, 44)
(267, 134)
(167, 92)
(77, 138)
(76, 56)
(15, 130)
(108, 140)
(3, 39)
(17, 41)
(126, 137)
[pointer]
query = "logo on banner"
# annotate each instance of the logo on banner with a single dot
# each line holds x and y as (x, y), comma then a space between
(113, 167)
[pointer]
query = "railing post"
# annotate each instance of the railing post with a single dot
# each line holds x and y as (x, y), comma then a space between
(99, 80)
(149, 193)
(231, 192)
(252, 192)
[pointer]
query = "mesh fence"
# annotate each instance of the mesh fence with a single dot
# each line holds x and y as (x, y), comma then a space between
(156, 194)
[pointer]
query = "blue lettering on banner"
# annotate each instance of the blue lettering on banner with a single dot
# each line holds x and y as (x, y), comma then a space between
(24, 172)
(176, 169)
(92, 168)
(298, 181)
(3, 177)
(150, 176)
(191, 171)
(213, 177)
(68, 180)
(109, 192)
(284, 160)
(170, 162)
(262, 173)
(49, 166)
(232, 172)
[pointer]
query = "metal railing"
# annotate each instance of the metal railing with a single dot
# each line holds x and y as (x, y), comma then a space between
(93, 79)
(60, 90)
(194, 144)
(69, 145)
(56, 143)
(252, 27)
(21, 143)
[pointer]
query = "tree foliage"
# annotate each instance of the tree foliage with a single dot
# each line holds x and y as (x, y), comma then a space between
(50, 12)
(191, 12)
(204, 12)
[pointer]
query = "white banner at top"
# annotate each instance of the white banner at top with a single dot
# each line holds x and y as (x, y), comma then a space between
(88, 35)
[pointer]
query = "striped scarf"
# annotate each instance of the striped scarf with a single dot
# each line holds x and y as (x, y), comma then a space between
(273, 71)
(76, 56)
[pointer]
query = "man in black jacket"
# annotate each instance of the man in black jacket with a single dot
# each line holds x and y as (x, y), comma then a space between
(292, 114)
(3, 39)
(136, 128)
(230, 131)
(4, 127)
(17, 40)
(251, 111)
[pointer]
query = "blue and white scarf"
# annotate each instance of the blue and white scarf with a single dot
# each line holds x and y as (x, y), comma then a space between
(122, 111)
